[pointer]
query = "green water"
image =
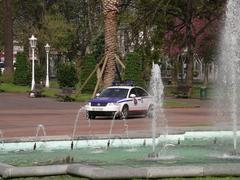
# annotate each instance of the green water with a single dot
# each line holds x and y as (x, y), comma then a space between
(191, 152)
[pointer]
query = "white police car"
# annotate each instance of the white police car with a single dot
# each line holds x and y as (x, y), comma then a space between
(124, 99)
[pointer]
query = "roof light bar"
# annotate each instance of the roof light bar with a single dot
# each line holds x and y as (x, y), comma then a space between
(122, 83)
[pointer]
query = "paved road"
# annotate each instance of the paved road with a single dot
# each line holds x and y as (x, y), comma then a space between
(20, 115)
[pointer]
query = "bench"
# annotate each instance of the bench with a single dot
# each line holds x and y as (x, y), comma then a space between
(183, 91)
(65, 95)
(37, 91)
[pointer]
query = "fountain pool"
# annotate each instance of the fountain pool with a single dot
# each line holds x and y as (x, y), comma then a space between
(196, 151)
(188, 148)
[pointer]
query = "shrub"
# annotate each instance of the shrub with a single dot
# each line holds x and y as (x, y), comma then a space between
(88, 66)
(67, 75)
(133, 69)
(21, 74)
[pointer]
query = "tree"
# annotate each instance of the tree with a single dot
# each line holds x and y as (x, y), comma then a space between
(8, 37)
(110, 10)
(170, 26)
(1, 29)
(175, 21)
(206, 47)
(57, 31)
(187, 15)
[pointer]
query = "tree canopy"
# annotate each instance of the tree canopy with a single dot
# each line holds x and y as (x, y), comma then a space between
(153, 28)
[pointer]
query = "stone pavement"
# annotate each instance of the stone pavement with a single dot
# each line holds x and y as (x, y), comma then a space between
(20, 115)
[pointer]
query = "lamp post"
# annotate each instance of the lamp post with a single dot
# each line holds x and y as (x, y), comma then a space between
(47, 48)
(33, 43)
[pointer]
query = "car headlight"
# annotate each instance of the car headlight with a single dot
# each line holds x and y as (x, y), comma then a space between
(112, 104)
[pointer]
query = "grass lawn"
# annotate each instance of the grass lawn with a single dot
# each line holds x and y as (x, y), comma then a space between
(176, 103)
(51, 92)
(7, 87)
(48, 92)
(170, 90)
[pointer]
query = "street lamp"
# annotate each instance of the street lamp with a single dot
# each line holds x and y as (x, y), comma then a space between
(47, 48)
(33, 43)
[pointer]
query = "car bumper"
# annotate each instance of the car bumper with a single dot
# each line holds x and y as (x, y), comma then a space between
(102, 108)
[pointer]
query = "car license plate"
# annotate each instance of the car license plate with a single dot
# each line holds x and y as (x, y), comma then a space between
(97, 109)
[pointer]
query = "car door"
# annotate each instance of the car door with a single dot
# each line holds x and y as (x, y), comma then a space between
(133, 104)
(142, 99)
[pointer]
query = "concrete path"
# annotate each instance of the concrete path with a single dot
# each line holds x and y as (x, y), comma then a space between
(20, 116)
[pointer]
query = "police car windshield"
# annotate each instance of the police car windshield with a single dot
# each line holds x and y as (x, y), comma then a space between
(114, 92)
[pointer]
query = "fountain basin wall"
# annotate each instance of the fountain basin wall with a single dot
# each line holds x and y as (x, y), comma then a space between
(115, 142)
(92, 172)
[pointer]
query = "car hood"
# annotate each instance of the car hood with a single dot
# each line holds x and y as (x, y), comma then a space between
(105, 100)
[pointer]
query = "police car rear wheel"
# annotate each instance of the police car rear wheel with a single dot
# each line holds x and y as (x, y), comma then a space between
(124, 114)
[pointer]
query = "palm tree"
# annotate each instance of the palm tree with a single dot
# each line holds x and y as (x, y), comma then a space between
(110, 10)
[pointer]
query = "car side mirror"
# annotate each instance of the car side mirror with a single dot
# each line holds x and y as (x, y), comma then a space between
(132, 95)
(98, 94)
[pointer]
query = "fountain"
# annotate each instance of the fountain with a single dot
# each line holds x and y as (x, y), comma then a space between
(110, 130)
(84, 114)
(156, 89)
(1, 137)
(118, 114)
(228, 84)
(38, 129)
(75, 126)
(192, 153)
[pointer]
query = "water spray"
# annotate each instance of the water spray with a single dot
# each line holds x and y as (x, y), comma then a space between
(34, 146)
(72, 145)
(108, 144)
(1, 137)
(179, 141)
(156, 89)
(110, 130)
(39, 127)
(215, 141)
(228, 68)
(75, 126)
(144, 142)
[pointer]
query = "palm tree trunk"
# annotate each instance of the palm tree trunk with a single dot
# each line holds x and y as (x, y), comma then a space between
(8, 37)
(110, 10)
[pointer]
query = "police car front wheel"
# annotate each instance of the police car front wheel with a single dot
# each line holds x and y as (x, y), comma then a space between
(91, 115)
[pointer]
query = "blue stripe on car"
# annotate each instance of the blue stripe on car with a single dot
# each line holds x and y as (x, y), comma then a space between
(105, 100)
